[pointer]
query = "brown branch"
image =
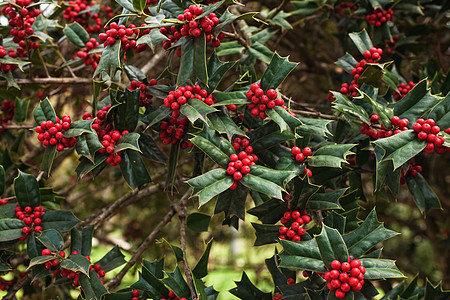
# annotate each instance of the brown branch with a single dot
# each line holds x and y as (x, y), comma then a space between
(316, 114)
(238, 38)
(17, 126)
(20, 284)
(62, 80)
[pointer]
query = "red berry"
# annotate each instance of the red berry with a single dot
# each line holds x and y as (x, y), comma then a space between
(295, 150)
(422, 135)
(283, 230)
(237, 176)
(339, 294)
(335, 264)
(343, 277)
(290, 233)
(307, 151)
(356, 263)
(295, 214)
(334, 274)
(395, 120)
(353, 281)
(46, 252)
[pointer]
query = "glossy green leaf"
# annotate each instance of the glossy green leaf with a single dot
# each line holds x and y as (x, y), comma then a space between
(422, 193)
(110, 58)
(441, 113)
(26, 189)
(198, 222)
(21, 110)
(335, 221)
(224, 124)
(361, 40)
(369, 94)
(111, 260)
(81, 240)
(270, 211)
(435, 292)
(79, 127)
(331, 155)
(139, 5)
(350, 110)
(87, 145)
(157, 115)
(186, 71)
(261, 52)
(347, 62)
(152, 39)
(213, 151)
(47, 160)
(326, 200)
(228, 48)
(51, 239)
(331, 246)
(76, 34)
(275, 176)
(196, 109)
(262, 185)
(245, 290)
(92, 286)
(39, 260)
(201, 268)
(380, 268)
(11, 229)
(127, 4)
(176, 282)
(210, 184)
(268, 136)
(303, 191)
(134, 73)
(232, 202)
(266, 234)
(133, 169)
(216, 71)
(367, 235)
(76, 263)
(44, 112)
(278, 69)
(151, 284)
(227, 98)
(127, 114)
(128, 141)
(401, 147)
(303, 255)
(60, 220)
(313, 126)
(150, 149)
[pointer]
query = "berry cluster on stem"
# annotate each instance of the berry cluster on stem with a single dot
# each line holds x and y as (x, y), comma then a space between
(135, 293)
(50, 133)
(413, 170)
(144, 98)
(262, 101)
(398, 125)
(391, 43)
(345, 276)
(88, 58)
(292, 228)
(31, 217)
(403, 89)
(11, 53)
(240, 163)
(174, 130)
(300, 156)
(127, 35)
(181, 95)
(427, 131)
(378, 17)
(91, 21)
(8, 108)
(172, 296)
(193, 26)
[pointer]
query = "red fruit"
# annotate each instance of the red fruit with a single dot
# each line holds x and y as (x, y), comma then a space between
(356, 263)
(234, 157)
(343, 277)
(426, 127)
(431, 122)
(374, 118)
(295, 214)
(306, 219)
(353, 281)
(301, 231)
(237, 176)
(422, 135)
(355, 272)
(339, 294)
(287, 215)
(296, 238)
(334, 274)
(307, 151)
(26, 229)
(345, 287)
(290, 281)
(435, 129)
(233, 186)
(231, 170)
(245, 170)
(135, 293)
(283, 230)
(295, 150)
(417, 127)
(335, 264)
(295, 226)
(335, 284)
(395, 120)
(249, 149)
(345, 267)
(46, 252)
(290, 233)
(307, 172)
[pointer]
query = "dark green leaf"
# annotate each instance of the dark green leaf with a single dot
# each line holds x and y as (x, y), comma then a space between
(278, 69)
(11, 229)
(270, 211)
(79, 127)
(150, 283)
(198, 222)
(92, 286)
(441, 113)
(21, 110)
(201, 268)
(110, 58)
(224, 124)
(127, 114)
(44, 112)
(313, 126)
(261, 52)
(176, 282)
(150, 149)
(87, 145)
(216, 71)
(157, 115)
(2, 180)
(51, 239)
(61, 220)
(139, 5)
(47, 160)
(331, 155)
(210, 185)
(303, 191)
(350, 110)
(380, 268)
(76, 34)
(128, 141)
(134, 73)
(422, 193)
(331, 246)
(347, 62)
(361, 40)
(77, 262)
(81, 240)
(133, 169)
(435, 292)
(326, 200)
(304, 255)
(369, 94)
(152, 39)
(39, 260)
(245, 290)
(262, 185)
(27, 190)
(196, 109)
(213, 151)
(336, 221)
(113, 259)
(127, 4)
(227, 98)
(232, 202)
(186, 71)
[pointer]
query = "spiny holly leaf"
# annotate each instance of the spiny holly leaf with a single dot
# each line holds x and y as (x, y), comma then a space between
(335, 220)
(201, 268)
(79, 127)
(81, 240)
(268, 136)
(303, 255)
(324, 201)
(77, 263)
(435, 292)
(76, 34)
(224, 124)
(47, 160)
(157, 115)
(227, 98)
(217, 148)
(266, 233)
(110, 58)
(303, 191)
(370, 233)
(150, 149)
(176, 251)
(413, 290)
(331, 155)
(279, 275)
(51, 239)
(44, 112)
(92, 286)
(196, 109)
(385, 113)
(284, 119)
(350, 110)
(232, 202)
(270, 212)
(216, 71)
(263, 185)
(313, 126)
(331, 246)
(11, 229)
(193, 60)
(422, 193)
(211, 184)
(361, 40)
(87, 166)
(380, 268)
(245, 290)
(278, 69)
(347, 62)
(87, 145)
(61, 220)
(133, 169)
(128, 141)
(416, 103)
(441, 113)
(127, 112)
(26, 189)
(152, 39)
(198, 221)
(39, 260)
(113, 259)
(177, 283)
(151, 283)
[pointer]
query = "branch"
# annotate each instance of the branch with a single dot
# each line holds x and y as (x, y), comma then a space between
(62, 80)
(16, 126)
(20, 284)
(315, 114)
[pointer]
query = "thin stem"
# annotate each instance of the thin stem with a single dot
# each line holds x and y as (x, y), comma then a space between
(17, 127)
(62, 80)
(20, 284)
(43, 64)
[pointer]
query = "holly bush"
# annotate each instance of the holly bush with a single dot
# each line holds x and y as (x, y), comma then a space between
(120, 116)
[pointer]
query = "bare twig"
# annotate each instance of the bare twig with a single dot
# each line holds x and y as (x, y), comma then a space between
(315, 114)
(62, 80)
(43, 64)
(20, 284)
(17, 127)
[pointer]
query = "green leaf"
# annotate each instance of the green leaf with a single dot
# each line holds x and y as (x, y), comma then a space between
(61, 220)
(370, 233)
(113, 259)
(441, 113)
(228, 48)
(350, 110)
(133, 169)
(39, 260)
(92, 286)
(331, 246)
(173, 163)
(127, 4)
(196, 109)
(81, 240)
(326, 200)
(303, 255)
(127, 114)
(303, 191)
(21, 110)
(385, 113)
(134, 73)
(435, 292)
(76, 34)
(139, 5)
(232, 202)
(347, 62)
(87, 145)
(259, 51)
(278, 69)
(209, 185)
(26, 189)
(44, 112)
(79, 127)
(270, 211)
(150, 149)
(187, 62)
(201, 268)
(2, 180)
(313, 126)
(198, 222)
(331, 155)
(213, 151)
(47, 160)
(8, 75)
(285, 120)
(401, 147)
(275, 176)
(224, 124)
(110, 58)
(176, 282)
(245, 290)
(216, 71)
(159, 114)
(380, 268)
(128, 141)
(361, 40)
(76, 262)
(262, 185)
(418, 101)
(227, 98)
(11, 229)
(151, 284)
(266, 233)
(152, 39)
(51, 239)
(422, 193)
(336, 221)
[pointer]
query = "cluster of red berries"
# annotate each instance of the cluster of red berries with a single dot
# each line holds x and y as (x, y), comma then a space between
(181, 95)
(127, 35)
(3, 202)
(300, 155)
(76, 12)
(403, 89)
(144, 98)
(21, 20)
(173, 296)
(345, 276)
(391, 43)
(290, 281)
(135, 293)
(50, 133)
(240, 163)
(8, 108)
(370, 56)
(192, 27)
(346, 5)
(296, 219)
(32, 219)
(173, 131)
(90, 60)
(262, 101)
(378, 17)
(398, 125)
(6, 284)
(12, 54)
(413, 170)
(427, 131)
